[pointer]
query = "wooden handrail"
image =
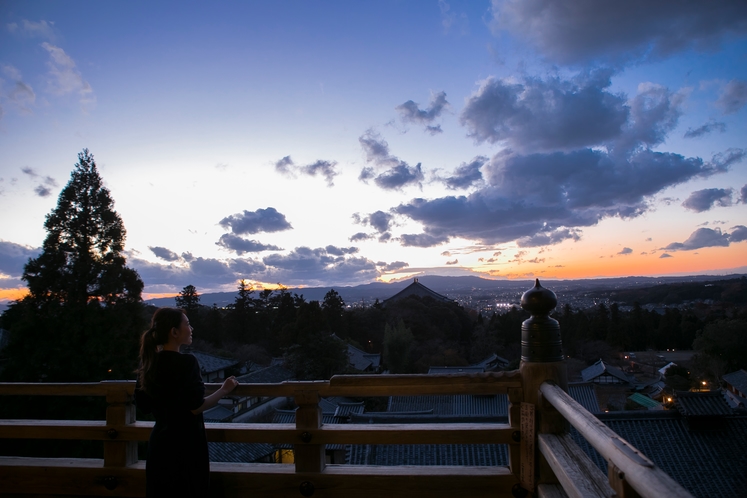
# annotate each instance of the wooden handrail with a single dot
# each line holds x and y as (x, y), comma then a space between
(630, 465)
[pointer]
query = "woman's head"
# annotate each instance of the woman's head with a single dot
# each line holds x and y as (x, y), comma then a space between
(167, 324)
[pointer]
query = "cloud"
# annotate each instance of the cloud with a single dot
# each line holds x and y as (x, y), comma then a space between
(738, 234)
(42, 29)
(379, 220)
(625, 250)
(422, 240)
(743, 195)
(579, 31)
(314, 266)
(452, 262)
(14, 256)
(360, 236)
(549, 238)
(733, 97)
(65, 79)
(398, 173)
(21, 96)
(451, 19)
(261, 220)
(240, 245)
(467, 174)
(707, 128)
(541, 194)
(665, 255)
(542, 115)
(287, 167)
(411, 113)
(163, 253)
(340, 251)
(703, 200)
(393, 266)
(42, 191)
(706, 237)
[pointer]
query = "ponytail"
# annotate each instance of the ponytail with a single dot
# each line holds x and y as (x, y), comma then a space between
(164, 319)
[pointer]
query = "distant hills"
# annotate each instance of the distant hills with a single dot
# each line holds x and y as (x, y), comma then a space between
(456, 286)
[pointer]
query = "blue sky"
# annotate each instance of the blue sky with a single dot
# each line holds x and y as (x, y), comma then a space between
(335, 143)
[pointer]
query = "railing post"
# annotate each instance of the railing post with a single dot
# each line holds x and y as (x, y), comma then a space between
(308, 457)
(542, 361)
(119, 412)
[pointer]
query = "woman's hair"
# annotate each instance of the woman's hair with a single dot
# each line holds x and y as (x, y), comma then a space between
(164, 319)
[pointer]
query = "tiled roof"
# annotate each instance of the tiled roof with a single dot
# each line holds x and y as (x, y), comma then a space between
(737, 379)
(600, 367)
(417, 289)
(239, 452)
(210, 363)
(456, 370)
(269, 375)
(427, 454)
(585, 395)
(217, 414)
(458, 404)
(491, 362)
(701, 404)
(644, 400)
(289, 417)
(707, 464)
(361, 361)
(345, 409)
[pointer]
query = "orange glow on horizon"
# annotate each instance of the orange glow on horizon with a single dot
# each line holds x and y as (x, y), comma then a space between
(13, 294)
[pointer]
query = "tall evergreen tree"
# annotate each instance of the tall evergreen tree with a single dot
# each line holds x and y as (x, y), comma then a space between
(83, 315)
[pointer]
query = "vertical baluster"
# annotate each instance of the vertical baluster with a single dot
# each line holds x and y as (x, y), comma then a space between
(515, 396)
(308, 457)
(119, 412)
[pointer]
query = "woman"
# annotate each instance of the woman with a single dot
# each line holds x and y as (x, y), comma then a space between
(170, 386)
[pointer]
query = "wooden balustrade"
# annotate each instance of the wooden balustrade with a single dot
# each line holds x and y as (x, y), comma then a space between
(120, 474)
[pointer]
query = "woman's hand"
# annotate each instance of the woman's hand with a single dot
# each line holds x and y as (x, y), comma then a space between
(229, 385)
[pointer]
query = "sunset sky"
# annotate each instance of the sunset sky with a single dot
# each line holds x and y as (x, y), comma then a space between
(316, 143)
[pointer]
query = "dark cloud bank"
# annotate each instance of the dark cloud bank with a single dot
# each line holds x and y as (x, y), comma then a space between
(576, 153)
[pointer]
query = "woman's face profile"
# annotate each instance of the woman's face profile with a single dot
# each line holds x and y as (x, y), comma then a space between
(184, 332)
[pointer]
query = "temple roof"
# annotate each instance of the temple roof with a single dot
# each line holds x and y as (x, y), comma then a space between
(417, 289)
(738, 380)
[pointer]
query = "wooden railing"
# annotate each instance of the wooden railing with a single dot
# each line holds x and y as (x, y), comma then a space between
(543, 459)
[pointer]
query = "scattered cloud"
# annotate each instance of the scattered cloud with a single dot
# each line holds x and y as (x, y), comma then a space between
(397, 173)
(241, 245)
(42, 29)
(21, 95)
(733, 96)
(452, 262)
(709, 237)
(703, 200)
(261, 220)
(13, 257)
(625, 251)
(665, 255)
(65, 79)
(707, 128)
(327, 169)
(451, 19)
(467, 174)
(743, 194)
(549, 238)
(164, 253)
(580, 31)
(422, 240)
(340, 251)
(379, 220)
(411, 113)
(393, 266)
(360, 236)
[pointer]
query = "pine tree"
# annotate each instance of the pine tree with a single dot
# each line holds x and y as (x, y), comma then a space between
(83, 315)
(82, 256)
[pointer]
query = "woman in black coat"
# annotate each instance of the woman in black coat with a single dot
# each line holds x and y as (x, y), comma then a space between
(170, 386)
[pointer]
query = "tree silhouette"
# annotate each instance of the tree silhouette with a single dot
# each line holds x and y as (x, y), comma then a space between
(83, 315)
